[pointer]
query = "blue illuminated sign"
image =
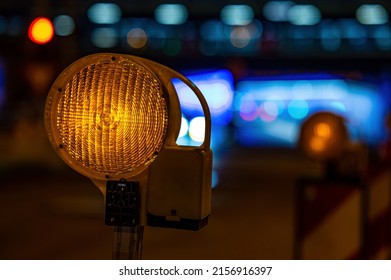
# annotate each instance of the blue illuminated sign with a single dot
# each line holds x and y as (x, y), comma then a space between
(270, 112)
(218, 88)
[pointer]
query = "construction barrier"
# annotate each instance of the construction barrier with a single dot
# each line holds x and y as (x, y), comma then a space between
(343, 218)
(379, 215)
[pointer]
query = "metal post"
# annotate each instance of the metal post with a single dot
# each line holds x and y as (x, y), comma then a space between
(123, 212)
(128, 243)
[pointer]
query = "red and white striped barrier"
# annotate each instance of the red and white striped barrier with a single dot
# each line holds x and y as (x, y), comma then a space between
(344, 218)
(379, 219)
(329, 220)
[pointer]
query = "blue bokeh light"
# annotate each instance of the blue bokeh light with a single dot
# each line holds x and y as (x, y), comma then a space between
(104, 13)
(270, 111)
(171, 14)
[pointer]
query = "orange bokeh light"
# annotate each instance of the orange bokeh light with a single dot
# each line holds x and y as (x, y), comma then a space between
(323, 130)
(317, 144)
(41, 30)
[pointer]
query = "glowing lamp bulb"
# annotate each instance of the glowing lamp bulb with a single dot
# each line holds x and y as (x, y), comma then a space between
(41, 30)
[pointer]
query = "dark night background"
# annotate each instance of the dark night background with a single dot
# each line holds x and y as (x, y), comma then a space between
(48, 211)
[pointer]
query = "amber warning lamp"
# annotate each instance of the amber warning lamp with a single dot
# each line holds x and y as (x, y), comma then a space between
(324, 136)
(115, 119)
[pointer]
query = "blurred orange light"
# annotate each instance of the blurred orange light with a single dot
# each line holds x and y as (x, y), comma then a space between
(41, 30)
(317, 144)
(324, 136)
(323, 130)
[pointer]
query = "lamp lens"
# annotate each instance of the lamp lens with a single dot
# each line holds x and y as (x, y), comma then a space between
(111, 117)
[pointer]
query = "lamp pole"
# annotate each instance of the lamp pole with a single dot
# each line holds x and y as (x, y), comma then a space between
(123, 207)
(128, 243)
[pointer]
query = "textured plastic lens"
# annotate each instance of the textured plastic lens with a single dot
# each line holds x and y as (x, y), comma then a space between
(111, 117)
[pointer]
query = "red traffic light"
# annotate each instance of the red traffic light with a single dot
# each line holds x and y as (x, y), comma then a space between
(41, 30)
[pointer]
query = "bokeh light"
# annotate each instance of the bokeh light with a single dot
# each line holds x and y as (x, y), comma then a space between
(269, 114)
(184, 127)
(237, 14)
(317, 144)
(372, 14)
(304, 15)
(104, 37)
(323, 130)
(171, 14)
(240, 37)
(137, 38)
(382, 37)
(41, 30)
(298, 109)
(277, 10)
(197, 129)
(104, 13)
(248, 110)
(64, 25)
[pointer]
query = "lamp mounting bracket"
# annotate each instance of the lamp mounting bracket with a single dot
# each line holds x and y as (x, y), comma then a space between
(122, 206)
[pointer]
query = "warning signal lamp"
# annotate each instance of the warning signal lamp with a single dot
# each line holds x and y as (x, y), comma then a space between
(323, 136)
